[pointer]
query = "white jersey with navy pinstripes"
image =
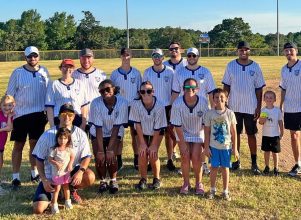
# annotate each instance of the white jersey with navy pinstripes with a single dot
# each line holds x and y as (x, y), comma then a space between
(291, 83)
(90, 81)
(162, 83)
(151, 120)
(29, 90)
(129, 82)
(243, 81)
(101, 116)
(176, 66)
(202, 75)
(59, 93)
(80, 147)
(189, 118)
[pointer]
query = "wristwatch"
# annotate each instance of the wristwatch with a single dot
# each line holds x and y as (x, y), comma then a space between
(82, 169)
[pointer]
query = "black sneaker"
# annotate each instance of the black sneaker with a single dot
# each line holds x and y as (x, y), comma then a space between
(136, 163)
(103, 186)
(235, 165)
(149, 167)
(255, 169)
(16, 184)
(276, 172)
(142, 184)
(113, 187)
(266, 170)
(36, 179)
(156, 183)
(295, 170)
(170, 166)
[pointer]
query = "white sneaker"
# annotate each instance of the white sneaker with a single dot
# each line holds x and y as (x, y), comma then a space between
(55, 209)
(211, 195)
(2, 191)
(68, 204)
(206, 169)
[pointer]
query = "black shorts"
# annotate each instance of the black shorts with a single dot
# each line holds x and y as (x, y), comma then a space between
(32, 125)
(148, 138)
(248, 121)
(167, 112)
(106, 141)
(292, 121)
(77, 120)
(270, 144)
(42, 195)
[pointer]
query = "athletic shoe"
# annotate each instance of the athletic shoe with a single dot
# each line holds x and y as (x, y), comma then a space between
(266, 170)
(68, 204)
(36, 179)
(235, 165)
(16, 184)
(2, 191)
(179, 171)
(226, 196)
(113, 187)
(199, 189)
(185, 189)
(255, 169)
(55, 208)
(103, 186)
(206, 169)
(75, 198)
(156, 183)
(276, 172)
(295, 170)
(211, 195)
(170, 165)
(175, 156)
(142, 184)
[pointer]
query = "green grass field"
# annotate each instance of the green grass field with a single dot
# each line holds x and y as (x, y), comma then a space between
(260, 197)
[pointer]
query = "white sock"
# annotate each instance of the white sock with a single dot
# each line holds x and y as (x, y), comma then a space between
(34, 173)
(226, 191)
(212, 189)
(299, 163)
(16, 176)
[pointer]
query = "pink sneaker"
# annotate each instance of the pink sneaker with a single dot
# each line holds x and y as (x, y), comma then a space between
(199, 189)
(185, 189)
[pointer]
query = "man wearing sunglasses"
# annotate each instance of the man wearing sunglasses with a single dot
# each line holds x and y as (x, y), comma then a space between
(161, 77)
(244, 81)
(176, 61)
(81, 175)
(28, 85)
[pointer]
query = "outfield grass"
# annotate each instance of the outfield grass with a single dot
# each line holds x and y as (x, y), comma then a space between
(259, 197)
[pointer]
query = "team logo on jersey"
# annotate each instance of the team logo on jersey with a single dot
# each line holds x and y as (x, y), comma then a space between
(166, 78)
(43, 79)
(200, 113)
(252, 72)
(97, 79)
(201, 75)
(296, 72)
(133, 80)
(116, 114)
(76, 91)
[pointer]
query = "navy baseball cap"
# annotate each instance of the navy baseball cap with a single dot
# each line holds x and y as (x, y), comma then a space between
(67, 107)
(289, 45)
(244, 44)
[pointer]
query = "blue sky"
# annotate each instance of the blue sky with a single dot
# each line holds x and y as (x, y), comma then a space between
(196, 14)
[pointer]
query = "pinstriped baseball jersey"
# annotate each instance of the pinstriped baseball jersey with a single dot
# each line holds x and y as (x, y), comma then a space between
(29, 90)
(150, 120)
(290, 82)
(101, 116)
(177, 66)
(80, 147)
(189, 118)
(243, 80)
(59, 93)
(129, 82)
(162, 83)
(202, 75)
(90, 81)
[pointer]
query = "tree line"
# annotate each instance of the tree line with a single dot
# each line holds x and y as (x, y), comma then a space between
(61, 32)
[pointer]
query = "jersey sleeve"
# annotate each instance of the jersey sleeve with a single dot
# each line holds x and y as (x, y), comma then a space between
(86, 152)
(210, 84)
(160, 119)
(122, 117)
(176, 87)
(134, 113)
(283, 81)
(145, 76)
(41, 150)
(50, 101)
(259, 81)
(227, 76)
(95, 117)
(175, 116)
(12, 84)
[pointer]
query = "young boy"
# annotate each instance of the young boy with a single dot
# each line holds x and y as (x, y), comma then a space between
(220, 140)
(272, 131)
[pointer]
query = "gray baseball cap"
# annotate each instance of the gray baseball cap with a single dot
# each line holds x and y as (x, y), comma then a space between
(86, 53)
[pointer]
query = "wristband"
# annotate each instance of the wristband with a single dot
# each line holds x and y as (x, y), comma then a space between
(82, 169)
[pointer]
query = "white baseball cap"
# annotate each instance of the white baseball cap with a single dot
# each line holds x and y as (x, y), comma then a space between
(193, 50)
(31, 49)
(158, 51)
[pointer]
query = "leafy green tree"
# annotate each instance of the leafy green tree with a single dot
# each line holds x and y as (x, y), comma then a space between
(11, 37)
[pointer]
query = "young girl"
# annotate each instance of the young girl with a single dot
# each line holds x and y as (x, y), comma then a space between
(6, 115)
(220, 140)
(272, 132)
(61, 158)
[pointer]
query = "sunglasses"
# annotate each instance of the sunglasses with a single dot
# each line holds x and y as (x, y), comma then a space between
(148, 91)
(157, 56)
(69, 114)
(190, 87)
(32, 55)
(107, 89)
(174, 48)
(191, 55)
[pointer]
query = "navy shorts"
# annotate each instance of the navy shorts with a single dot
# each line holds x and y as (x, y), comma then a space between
(292, 121)
(248, 121)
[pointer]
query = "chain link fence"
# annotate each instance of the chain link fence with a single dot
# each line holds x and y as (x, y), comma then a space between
(6, 56)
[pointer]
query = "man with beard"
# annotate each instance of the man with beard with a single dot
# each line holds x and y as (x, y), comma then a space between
(176, 61)
(28, 85)
(291, 100)
(244, 81)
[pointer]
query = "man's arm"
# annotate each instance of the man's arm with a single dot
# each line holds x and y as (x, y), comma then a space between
(46, 183)
(259, 100)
